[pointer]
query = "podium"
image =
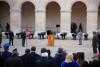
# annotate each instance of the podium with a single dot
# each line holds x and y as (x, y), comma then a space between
(51, 38)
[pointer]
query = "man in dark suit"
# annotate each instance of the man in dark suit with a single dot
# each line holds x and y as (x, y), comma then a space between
(23, 36)
(33, 57)
(26, 58)
(11, 37)
(7, 27)
(44, 61)
(80, 27)
(59, 57)
(73, 27)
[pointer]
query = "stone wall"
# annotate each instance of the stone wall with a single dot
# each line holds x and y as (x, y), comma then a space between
(39, 20)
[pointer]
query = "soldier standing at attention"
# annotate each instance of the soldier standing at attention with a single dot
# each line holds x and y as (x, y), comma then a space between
(80, 36)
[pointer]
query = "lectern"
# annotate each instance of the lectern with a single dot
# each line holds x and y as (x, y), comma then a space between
(51, 40)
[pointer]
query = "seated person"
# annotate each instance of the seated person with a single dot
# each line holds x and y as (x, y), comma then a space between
(31, 34)
(41, 35)
(85, 36)
(74, 35)
(63, 35)
(18, 35)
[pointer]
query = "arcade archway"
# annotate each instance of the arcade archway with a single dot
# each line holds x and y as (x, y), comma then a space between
(28, 16)
(4, 15)
(79, 15)
(98, 27)
(53, 17)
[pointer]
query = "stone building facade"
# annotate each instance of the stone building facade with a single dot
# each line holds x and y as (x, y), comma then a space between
(42, 15)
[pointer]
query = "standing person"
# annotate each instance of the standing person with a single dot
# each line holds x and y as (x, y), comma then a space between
(27, 34)
(94, 43)
(0, 39)
(80, 27)
(73, 27)
(11, 37)
(7, 27)
(98, 41)
(23, 36)
(1, 28)
(80, 36)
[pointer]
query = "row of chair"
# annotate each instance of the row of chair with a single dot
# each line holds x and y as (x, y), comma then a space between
(42, 35)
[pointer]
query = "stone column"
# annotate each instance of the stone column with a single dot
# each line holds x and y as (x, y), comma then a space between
(15, 20)
(65, 21)
(91, 22)
(40, 21)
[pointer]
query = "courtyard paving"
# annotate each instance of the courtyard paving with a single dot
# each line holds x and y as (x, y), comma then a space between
(70, 45)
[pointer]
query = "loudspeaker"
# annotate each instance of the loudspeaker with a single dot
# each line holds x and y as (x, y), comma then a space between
(57, 25)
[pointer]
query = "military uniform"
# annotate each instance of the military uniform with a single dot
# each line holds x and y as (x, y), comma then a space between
(80, 36)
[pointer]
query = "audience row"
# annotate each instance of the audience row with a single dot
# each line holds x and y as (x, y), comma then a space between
(32, 59)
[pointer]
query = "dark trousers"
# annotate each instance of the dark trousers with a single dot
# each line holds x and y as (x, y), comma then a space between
(74, 37)
(11, 41)
(99, 48)
(23, 42)
(0, 42)
(94, 49)
(80, 41)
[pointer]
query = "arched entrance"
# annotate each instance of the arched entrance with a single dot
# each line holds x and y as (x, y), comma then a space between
(98, 27)
(79, 15)
(53, 17)
(28, 16)
(4, 15)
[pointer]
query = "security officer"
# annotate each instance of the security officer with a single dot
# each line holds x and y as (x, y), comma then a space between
(11, 37)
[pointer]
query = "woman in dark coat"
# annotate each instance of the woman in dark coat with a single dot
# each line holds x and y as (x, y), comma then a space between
(81, 59)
